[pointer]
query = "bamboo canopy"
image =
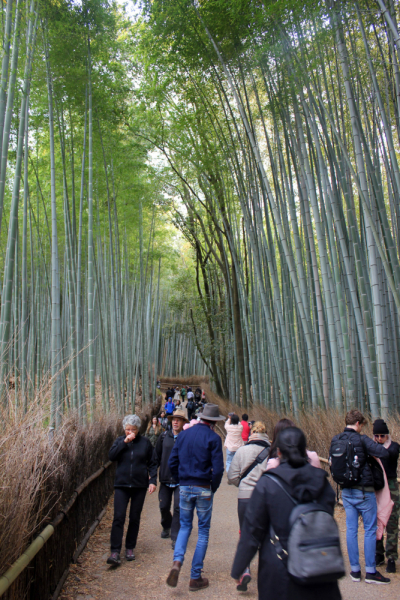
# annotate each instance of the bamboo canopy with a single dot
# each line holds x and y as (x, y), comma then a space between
(200, 188)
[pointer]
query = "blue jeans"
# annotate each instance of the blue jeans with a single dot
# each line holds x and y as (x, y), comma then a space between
(192, 497)
(229, 457)
(358, 503)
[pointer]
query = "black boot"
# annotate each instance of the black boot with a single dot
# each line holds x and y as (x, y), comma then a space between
(391, 566)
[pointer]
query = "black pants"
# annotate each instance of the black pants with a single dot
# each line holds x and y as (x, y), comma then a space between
(242, 505)
(168, 520)
(121, 499)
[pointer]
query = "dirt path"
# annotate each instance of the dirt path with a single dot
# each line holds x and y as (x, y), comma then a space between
(144, 578)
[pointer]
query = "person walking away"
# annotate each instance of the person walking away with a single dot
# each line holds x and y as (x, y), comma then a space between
(183, 394)
(247, 466)
(136, 473)
(246, 428)
(169, 489)
(197, 395)
(274, 460)
(153, 431)
(190, 395)
(197, 464)
(169, 407)
(233, 440)
(190, 407)
(271, 504)
(382, 436)
(358, 493)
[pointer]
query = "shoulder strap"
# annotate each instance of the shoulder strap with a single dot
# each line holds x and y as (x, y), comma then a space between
(282, 488)
(260, 458)
(274, 539)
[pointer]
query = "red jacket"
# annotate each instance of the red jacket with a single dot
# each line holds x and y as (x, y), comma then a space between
(245, 431)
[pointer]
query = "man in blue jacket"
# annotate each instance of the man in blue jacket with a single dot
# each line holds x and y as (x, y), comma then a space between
(196, 463)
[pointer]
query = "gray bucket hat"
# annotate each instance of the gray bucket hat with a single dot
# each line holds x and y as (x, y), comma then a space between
(211, 413)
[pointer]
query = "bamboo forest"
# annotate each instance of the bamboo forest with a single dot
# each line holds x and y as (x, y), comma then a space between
(200, 188)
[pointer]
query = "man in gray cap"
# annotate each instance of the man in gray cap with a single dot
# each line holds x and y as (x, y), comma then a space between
(196, 463)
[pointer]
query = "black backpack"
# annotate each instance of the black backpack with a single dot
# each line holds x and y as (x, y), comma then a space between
(190, 405)
(312, 555)
(345, 467)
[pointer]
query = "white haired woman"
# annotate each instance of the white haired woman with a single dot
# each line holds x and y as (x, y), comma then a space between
(136, 471)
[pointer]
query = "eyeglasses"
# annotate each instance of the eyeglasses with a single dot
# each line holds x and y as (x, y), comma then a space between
(380, 435)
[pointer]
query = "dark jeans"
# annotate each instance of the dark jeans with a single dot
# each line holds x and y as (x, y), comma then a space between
(121, 498)
(168, 520)
(242, 505)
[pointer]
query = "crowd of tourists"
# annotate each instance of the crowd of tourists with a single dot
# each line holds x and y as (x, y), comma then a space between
(285, 501)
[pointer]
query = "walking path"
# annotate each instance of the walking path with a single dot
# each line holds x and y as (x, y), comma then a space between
(93, 579)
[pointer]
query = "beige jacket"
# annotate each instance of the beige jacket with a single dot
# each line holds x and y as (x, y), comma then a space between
(233, 440)
(242, 460)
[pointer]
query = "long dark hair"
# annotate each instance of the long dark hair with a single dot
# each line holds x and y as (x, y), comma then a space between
(157, 427)
(280, 426)
(292, 446)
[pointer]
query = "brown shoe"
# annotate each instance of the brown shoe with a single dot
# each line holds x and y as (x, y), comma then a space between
(198, 584)
(172, 579)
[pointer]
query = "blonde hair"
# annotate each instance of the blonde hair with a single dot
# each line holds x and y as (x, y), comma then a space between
(259, 427)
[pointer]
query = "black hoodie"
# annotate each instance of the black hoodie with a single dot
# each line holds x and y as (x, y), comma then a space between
(269, 504)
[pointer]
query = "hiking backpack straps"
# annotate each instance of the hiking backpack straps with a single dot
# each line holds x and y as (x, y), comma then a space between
(260, 458)
(313, 555)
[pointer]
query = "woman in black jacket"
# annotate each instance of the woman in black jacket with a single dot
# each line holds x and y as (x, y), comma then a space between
(270, 505)
(136, 471)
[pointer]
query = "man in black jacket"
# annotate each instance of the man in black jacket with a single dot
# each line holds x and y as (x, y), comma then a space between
(360, 499)
(168, 487)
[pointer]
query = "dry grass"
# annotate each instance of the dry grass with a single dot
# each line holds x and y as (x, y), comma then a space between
(38, 475)
(319, 426)
(190, 380)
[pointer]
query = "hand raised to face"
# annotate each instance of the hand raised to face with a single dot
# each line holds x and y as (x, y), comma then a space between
(130, 437)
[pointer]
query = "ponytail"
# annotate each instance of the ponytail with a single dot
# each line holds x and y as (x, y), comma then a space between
(292, 445)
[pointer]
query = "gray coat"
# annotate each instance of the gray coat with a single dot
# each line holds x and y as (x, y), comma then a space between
(243, 458)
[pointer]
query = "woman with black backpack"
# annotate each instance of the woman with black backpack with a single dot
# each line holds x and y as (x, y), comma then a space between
(279, 492)
(247, 466)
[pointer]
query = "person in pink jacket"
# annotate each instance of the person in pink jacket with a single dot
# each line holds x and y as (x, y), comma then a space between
(233, 440)
(274, 461)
